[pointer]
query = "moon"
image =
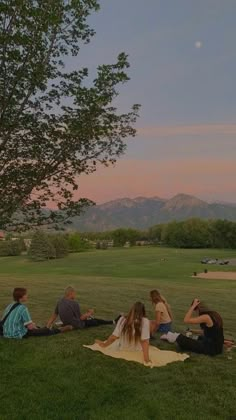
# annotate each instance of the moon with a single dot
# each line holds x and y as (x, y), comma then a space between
(198, 44)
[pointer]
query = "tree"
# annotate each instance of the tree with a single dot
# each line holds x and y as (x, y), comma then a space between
(223, 234)
(173, 235)
(121, 236)
(76, 243)
(155, 232)
(55, 124)
(60, 243)
(41, 247)
(191, 233)
(196, 233)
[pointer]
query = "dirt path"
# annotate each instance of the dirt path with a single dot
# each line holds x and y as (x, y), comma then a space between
(217, 275)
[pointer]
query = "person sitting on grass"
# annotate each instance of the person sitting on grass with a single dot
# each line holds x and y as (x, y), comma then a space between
(163, 315)
(132, 333)
(68, 310)
(211, 341)
(18, 322)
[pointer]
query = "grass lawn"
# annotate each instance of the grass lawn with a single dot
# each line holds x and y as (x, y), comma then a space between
(56, 378)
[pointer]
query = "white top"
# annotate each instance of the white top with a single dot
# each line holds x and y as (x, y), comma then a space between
(123, 343)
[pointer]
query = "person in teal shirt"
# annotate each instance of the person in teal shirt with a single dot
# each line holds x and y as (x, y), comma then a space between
(19, 323)
(19, 320)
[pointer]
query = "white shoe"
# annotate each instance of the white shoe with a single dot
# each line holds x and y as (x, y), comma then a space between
(164, 337)
(171, 337)
(59, 323)
(148, 364)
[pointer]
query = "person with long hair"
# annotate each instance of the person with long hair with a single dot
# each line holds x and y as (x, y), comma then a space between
(211, 341)
(163, 314)
(132, 332)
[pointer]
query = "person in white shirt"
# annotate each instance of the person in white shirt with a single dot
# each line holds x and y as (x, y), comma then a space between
(132, 332)
(163, 315)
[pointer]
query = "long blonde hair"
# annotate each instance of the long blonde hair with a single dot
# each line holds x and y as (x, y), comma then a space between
(156, 297)
(132, 328)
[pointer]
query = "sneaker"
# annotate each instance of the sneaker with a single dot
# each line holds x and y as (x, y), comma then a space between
(59, 323)
(172, 337)
(164, 337)
(148, 364)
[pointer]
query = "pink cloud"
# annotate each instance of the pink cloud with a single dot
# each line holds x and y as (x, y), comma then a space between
(149, 178)
(188, 130)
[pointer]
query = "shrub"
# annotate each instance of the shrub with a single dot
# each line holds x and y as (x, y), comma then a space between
(77, 244)
(10, 248)
(14, 248)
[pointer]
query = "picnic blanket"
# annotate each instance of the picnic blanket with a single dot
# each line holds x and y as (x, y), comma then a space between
(158, 357)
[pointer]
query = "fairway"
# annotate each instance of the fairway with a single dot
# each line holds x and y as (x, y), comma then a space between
(56, 378)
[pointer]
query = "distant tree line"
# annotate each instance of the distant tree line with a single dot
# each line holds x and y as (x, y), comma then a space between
(192, 233)
(44, 246)
(196, 233)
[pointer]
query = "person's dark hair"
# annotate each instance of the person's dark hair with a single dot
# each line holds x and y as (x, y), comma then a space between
(133, 324)
(204, 310)
(18, 293)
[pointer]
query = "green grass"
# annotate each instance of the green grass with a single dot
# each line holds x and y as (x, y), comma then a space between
(56, 378)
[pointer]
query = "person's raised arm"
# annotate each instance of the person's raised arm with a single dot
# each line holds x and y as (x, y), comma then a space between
(189, 319)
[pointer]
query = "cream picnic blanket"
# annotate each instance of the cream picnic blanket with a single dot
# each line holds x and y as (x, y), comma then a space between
(158, 357)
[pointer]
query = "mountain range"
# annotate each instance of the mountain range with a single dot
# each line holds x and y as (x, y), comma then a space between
(142, 213)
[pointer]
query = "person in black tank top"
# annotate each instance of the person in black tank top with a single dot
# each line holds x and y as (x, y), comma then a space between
(211, 341)
(213, 337)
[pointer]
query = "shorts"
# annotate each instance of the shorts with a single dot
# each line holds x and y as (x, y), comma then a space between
(165, 328)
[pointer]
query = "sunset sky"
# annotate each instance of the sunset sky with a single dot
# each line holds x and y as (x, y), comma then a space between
(183, 67)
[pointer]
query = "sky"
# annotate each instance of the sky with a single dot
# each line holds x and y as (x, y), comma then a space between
(183, 65)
